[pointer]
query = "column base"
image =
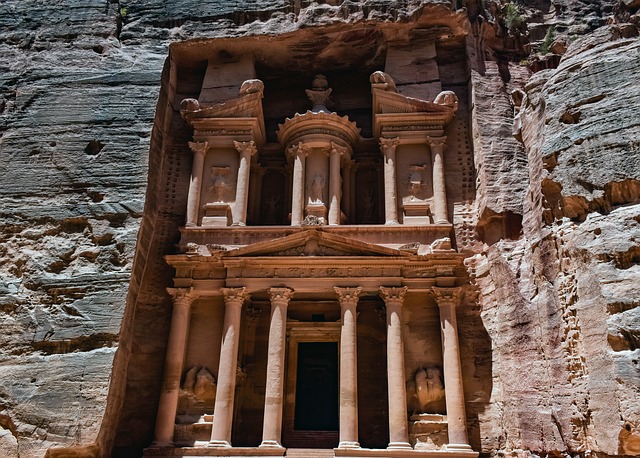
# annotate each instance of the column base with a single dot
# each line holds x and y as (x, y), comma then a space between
(391, 223)
(190, 225)
(458, 447)
(239, 223)
(399, 446)
(349, 444)
(441, 221)
(219, 444)
(271, 444)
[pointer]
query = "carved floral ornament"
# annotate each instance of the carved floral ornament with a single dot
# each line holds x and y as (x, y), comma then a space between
(337, 149)
(280, 295)
(437, 142)
(245, 147)
(348, 296)
(447, 296)
(389, 144)
(199, 147)
(235, 295)
(299, 149)
(183, 296)
(393, 295)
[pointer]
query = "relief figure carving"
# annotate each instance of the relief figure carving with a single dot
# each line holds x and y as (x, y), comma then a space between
(415, 184)
(426, 391)
(219, 183)
(199, 383)
(317, 189)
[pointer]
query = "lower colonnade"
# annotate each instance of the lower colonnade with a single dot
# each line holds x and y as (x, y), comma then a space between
(220, 443)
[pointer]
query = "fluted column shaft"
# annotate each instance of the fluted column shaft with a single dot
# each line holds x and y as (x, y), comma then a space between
(274, 391)
(447, 300)
(225, 392)
(439, 183)
(246, 150)
(348, 367)
(335, 183)
(195, 184)
(388, 146)
(348, 208)
(398, 424)
(299, 153)
(174, 360)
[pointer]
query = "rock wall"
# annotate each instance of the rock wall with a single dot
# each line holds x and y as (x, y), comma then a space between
(560, 303)
(556, 258)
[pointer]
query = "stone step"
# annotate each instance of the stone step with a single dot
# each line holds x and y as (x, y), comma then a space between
(309, 453)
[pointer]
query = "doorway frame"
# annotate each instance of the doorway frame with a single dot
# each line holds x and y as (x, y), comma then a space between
(302, 332)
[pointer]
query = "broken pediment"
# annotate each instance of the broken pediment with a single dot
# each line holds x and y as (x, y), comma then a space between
(222, 123)
(314, 242)
(395, 113)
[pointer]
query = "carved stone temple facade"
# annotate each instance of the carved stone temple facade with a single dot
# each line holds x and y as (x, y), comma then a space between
(316, 284)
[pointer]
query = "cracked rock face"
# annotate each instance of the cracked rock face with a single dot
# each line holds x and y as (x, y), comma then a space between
(555, 258)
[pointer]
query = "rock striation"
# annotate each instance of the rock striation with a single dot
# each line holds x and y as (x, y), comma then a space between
(91, 139)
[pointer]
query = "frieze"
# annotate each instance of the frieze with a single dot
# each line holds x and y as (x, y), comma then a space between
(412, 127)
(420, 273)
(222, 132)
(329, 132)
(314, 272)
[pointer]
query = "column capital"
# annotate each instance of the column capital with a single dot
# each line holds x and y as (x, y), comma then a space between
(338, 149)
(447, 296)
(183, 296)
(435, 142)
(235, 295)
(199, 147)
(246, 147)
(393, 295)
(280, 295)
(389, 143)
(348, 295)
(299, 149)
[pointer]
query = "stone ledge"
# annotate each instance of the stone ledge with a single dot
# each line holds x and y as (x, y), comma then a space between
(256, 452)
(364, 453)
(209, 452)
(376, 233)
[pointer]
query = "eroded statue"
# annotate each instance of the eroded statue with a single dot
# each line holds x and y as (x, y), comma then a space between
(317, 189)
(426, 391)
(200, 383)
(219, 183)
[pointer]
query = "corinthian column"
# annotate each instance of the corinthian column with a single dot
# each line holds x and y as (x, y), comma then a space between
(246, 150)
(347, 192)
(274, 391)
(388, 146)
(174, 360)
(335, 183)
(348, 298)
(398, 425)
(447, 300)
(439, 184)
(195, 185)
(223, 408)
(299, 153)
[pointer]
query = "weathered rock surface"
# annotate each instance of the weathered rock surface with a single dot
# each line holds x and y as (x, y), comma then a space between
(567, 290)
(79, 84)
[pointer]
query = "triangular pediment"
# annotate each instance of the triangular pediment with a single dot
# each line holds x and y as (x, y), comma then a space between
(314, 242)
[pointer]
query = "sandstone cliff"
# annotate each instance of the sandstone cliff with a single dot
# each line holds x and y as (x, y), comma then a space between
(553, 241)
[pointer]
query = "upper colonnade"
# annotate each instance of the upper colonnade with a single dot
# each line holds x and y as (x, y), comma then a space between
(319, 145)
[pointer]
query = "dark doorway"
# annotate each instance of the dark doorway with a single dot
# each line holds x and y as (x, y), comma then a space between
(317, 387)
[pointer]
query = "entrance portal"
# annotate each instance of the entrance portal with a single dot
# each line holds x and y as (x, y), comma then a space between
(317, 387)
(311, 413)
